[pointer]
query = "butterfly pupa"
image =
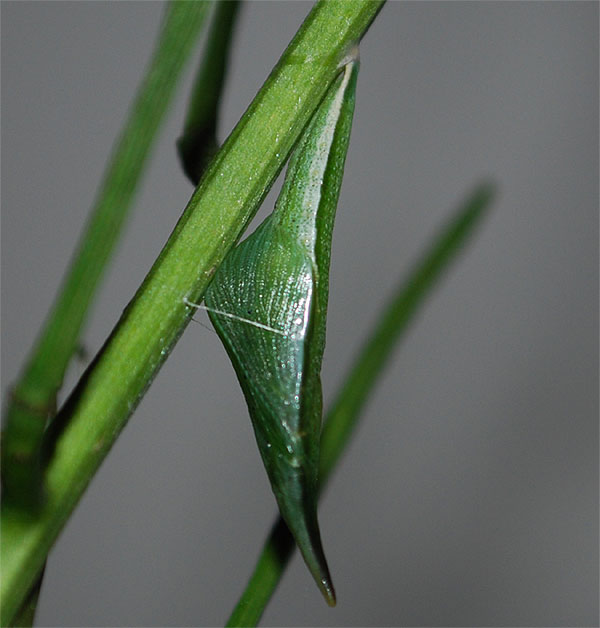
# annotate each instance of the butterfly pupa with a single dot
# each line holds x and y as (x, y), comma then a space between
(278, 278)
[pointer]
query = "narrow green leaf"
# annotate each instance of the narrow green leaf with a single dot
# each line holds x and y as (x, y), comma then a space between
(199, 142)
(393, 324)
(345, 412)
(278, 279)
(32, 401)
(25, 617)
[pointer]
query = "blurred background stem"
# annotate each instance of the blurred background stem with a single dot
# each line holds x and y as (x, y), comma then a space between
(199, 141)
(32, 402)
(345, 412)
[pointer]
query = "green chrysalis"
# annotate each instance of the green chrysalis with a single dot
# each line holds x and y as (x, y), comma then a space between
(277, 280)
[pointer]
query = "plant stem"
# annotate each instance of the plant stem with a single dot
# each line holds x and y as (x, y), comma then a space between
(199, 143)
(345, 412)
(26, 614)
(393, 324)
(33, 399)
(226, 199)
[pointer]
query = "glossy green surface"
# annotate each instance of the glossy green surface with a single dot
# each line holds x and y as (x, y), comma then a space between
(278, 279)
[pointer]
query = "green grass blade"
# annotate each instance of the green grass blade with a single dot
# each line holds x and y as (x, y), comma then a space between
(227, 197)
(33, 398)
(393, 324)
(26, 614)
(264, 579)
(342, 418)
(199, 142)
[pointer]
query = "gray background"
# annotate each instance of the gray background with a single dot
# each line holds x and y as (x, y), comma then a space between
(469, 496)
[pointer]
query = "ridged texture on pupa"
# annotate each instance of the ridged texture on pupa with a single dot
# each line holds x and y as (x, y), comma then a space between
(278, 279)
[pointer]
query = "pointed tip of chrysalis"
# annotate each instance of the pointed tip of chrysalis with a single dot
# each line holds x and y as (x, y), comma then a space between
(315, 560)
(317, 565)
(328, 592)
(303, 524)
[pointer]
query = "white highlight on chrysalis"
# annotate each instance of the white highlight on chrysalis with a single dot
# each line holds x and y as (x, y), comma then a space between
(319, 161)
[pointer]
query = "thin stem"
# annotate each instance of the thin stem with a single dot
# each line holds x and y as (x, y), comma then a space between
(394, 323)
(226, 199)
(344, 415)
(199, 143)
(33, 399)
(26, 614)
